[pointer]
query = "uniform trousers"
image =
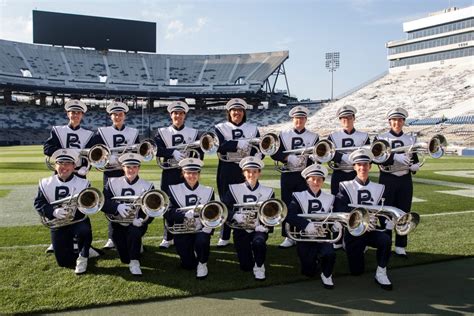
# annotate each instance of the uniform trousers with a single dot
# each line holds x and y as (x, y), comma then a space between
(355, 247)
(308, 252)
(107, 175)
(251, 248)
(398, 193)
(128, 240)
(337, 177)
(63, 242)
(169, 177)
(290, 182)
(192, 249)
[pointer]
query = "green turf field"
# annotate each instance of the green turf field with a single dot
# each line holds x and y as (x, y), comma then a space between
(30, 280)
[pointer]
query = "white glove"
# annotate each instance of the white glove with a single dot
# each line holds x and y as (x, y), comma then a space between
(189, 214)
(259, 156)
(60, 213)
(113, 160)
(415, 167)
(82, 171)
(242, 144)
(310, 229)
(178, 156)
(345, 159)
(239, 218)
(123, 210)
(292, 160)
(402, 159)
(337, 227)
(261, 229)
(198, 224)
(137, 222)
(207, 230)
(389, 225)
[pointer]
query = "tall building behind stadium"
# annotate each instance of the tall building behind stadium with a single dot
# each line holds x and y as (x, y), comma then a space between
(444, 37)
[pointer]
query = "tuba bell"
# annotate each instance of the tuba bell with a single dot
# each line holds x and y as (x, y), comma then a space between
(97, 156)
(267, 144)
(211, 215)
(270, 213)
(89, 201)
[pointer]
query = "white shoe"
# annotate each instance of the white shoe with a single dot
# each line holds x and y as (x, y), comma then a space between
(142, 249)
(109, 244)
(259, 272)
(81, 265)
(366, 249)
(165, 244)
(337, 246)
(201, 271)
(287, 243)
(401, 252)
(327, 282)
(134, 267)
(93, 253)
(382, 279)
(50, 249)
(222, 242)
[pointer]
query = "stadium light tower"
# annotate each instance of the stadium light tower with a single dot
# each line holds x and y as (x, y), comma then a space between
(332, 63)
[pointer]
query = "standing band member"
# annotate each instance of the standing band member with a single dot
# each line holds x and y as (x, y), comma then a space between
(312, 201)
(166, 138)
(295, 138)
(113, 136)
(346, 137)
(193, 248)
(250, 245)
(59, 186)
(234, 146)
(397, 179)
(362, 191)
(127, 237)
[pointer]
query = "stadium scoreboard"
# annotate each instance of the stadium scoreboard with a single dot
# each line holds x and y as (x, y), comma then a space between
(96, 32)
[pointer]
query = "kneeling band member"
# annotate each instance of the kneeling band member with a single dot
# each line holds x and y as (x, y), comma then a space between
(362, 191)
(312, 201)
(250, 244)
(127, 236)
(193, 248)
(59, 186)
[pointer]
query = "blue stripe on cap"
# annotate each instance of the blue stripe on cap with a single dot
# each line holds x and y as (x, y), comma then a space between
(119, 108)
(362, 158)
(397, 114)
(75, 107)
(236, 104)
(131, 162)
(346, 112)
(318, 173)
(252, 165)
(178, 108)
(191, 167)
(299, 113)
(64, 157)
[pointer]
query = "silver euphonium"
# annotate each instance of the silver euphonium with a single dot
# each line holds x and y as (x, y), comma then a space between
(267, 144)
(97, 156)
(89, 201)
(404, 222)
(211, 215)
(152, 203)
(270, 213)
(356, 222)
(146, 148)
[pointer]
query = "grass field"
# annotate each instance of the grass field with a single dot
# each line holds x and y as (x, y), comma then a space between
(30, 280)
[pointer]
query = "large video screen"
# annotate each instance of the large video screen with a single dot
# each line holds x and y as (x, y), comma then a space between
(90, 31)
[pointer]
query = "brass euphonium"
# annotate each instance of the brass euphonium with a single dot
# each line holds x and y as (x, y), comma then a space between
(97, 156)
(267, 144)
(211, 215)
(145, 148)
(356, 222)
(270, 213)
(153, 203)
(89, 201)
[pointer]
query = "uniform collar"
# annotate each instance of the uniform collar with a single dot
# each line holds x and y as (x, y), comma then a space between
(67, 180)
(115, 127)
(177, 128)
(316, 195)
(74, 128)
(238, 125)
(395, 134)
(134, 180)
(250, 188)
(361, 182)
(349, 133)
(189, 187)
(300, 132)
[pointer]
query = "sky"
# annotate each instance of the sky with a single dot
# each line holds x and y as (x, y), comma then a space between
(308, 29)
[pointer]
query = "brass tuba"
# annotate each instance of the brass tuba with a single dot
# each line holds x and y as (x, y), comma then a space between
(267, 144)
(270, 213)
(356, 222)
(146, 149)
(153, 203)
(211, 215)
(89, 201)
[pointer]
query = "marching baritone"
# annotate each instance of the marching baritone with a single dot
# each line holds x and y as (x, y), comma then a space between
(234, 144)
(62, 185)
(250, 244)
(400, 166)
(312, 201)
(127, 236)
(291, 180)
(166, 139)
(361, 190)
(193, 247)
(113, 136)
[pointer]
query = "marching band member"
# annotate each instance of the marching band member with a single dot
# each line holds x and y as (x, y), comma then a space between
(291, 181)
(250, 245)
(398, 183)
(348, 136)
(127, 237)
(115, 136)
(61, 185)
(165, 139)
(362, 191)
(193, 248)
(71, 135)
(233, 142)
(313, 200)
